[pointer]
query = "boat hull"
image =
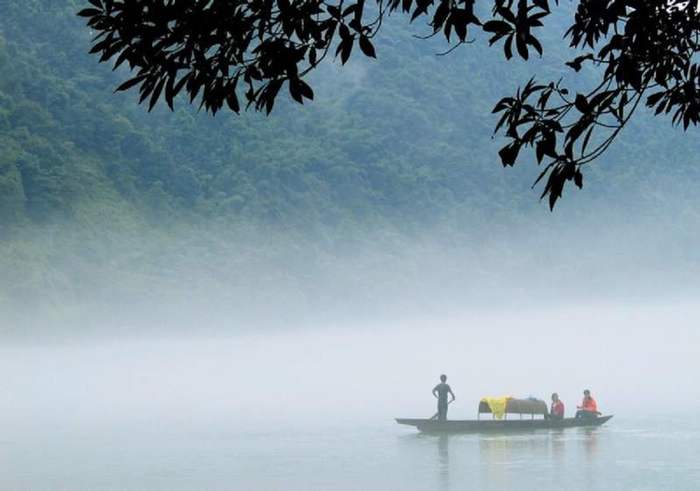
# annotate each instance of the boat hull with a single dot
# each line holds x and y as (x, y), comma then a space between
(500, 426)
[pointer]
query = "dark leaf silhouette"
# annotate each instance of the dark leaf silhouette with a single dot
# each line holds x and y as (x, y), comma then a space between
(217, 49)
(131, 82)
(90, 12)
(366, 47)
(497, 27)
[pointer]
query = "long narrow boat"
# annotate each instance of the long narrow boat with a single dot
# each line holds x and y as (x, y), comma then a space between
(500, 407)
(499, 426)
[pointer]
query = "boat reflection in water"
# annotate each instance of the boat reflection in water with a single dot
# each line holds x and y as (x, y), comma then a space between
(524, 461)
(547, 458)
(443, 445)
(498, 453)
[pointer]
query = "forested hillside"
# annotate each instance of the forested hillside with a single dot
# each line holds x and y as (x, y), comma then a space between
(406, 135)
(89, 179)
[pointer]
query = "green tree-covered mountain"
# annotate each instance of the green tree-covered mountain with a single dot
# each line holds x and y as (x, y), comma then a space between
(92, 186)
(408, 135)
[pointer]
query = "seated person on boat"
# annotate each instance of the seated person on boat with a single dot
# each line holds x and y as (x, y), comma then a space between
(557, 409)
(588, 407)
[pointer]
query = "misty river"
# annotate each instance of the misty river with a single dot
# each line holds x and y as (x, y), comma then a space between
(194, 299)
(313, 409)
(629, 454)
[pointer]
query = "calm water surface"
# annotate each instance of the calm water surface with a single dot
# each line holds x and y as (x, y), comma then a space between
(651, 454)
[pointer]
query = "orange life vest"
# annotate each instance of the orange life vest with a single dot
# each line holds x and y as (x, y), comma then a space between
(589, 404)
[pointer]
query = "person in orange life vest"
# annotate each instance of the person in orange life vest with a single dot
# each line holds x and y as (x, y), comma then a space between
(588, 407)
(557, 409)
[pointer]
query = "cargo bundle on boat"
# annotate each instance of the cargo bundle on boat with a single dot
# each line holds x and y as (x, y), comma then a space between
(501, 407)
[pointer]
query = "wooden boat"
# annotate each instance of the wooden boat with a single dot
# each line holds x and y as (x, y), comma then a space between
(499, 426)
(502, 407)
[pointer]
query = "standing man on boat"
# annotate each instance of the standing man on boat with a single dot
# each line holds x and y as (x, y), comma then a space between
(440, 392)
(588, 407)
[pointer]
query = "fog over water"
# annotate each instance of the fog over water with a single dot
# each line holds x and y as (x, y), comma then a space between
(193, 362)
(363, 336)
(209, 358)
(636, 358)
(313, 408)
(247, 302)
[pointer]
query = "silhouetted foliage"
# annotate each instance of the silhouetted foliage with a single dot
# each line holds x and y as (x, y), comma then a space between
(218, 48)
(643, 46)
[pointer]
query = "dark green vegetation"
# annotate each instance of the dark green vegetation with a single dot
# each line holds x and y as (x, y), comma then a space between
(377, 146)
(101, 200)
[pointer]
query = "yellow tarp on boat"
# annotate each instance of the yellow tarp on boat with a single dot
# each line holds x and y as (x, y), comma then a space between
(497, 405)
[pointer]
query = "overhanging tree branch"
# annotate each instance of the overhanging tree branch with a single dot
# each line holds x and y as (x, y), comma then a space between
(232, 52)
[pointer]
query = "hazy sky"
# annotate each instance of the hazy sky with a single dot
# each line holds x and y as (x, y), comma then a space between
(637, 359)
